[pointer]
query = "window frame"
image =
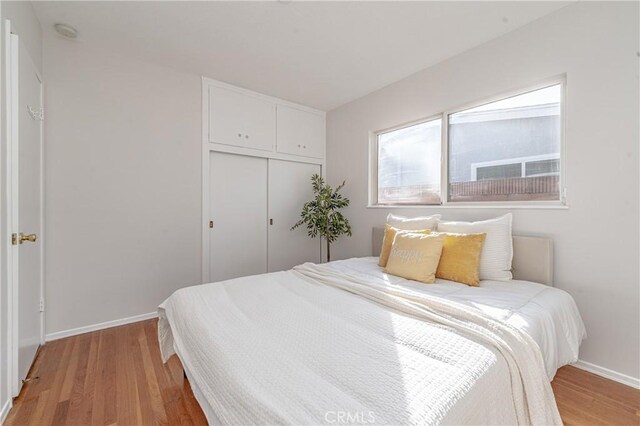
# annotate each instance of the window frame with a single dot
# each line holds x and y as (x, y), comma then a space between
(560, 203)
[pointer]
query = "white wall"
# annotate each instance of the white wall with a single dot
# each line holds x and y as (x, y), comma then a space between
(596, 239)
(123, 185)
(25, 24)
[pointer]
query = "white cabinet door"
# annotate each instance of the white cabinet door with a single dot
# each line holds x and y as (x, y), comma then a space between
(238, 209)
(226, 111)
(259, 130)
(289, 189)
(241, 120)
(300, 132)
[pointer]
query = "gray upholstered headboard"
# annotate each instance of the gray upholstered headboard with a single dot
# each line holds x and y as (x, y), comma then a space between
(532, 257)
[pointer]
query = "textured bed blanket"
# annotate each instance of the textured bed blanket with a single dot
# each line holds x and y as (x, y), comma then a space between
(549, 315)
(313, 346)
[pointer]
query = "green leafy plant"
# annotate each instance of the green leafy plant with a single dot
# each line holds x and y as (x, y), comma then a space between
(322, 215)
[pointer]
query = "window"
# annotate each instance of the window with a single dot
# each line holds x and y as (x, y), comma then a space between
(508, 150)
(505, 151)
(409, 161)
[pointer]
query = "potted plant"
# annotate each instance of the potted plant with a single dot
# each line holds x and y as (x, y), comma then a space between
(322, 215)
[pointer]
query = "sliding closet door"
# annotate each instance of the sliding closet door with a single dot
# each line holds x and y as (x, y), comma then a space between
(238, 206)
(289, 189)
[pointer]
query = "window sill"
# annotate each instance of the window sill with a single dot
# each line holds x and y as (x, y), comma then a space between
(472, 206)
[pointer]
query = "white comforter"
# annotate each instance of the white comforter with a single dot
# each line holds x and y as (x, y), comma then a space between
(317, 346)
(547, 314)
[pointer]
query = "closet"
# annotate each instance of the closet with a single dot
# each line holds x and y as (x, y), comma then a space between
(259, 154)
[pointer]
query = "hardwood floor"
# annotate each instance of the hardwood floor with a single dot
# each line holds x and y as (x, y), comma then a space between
(116, 376)
(586, 399)
(108, 377)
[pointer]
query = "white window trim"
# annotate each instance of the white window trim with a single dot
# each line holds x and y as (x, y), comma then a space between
(561, 204)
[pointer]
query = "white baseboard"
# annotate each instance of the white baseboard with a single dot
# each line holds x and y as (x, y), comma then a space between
(100, 326)
(634, 382)
(5, 410)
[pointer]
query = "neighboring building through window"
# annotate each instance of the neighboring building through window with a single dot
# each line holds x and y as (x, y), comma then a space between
(508, 150)
(409, 164)
(537, 165)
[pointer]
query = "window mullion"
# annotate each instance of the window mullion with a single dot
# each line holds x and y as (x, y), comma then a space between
(444, 160)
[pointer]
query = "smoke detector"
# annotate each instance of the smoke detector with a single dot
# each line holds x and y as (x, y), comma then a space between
(66, 31)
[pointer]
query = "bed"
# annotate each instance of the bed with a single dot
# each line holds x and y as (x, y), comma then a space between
(345, 343)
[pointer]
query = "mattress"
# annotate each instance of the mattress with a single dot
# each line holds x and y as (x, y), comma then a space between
(289, 348)
(548, 314)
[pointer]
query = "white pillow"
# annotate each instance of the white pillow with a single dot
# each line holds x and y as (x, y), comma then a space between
(497, 251)
(413, 223)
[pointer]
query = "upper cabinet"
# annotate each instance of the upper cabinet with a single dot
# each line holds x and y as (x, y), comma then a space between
(240, 121)
(300, 132)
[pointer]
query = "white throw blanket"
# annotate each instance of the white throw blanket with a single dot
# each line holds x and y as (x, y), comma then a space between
(532, 393)
(295, 348)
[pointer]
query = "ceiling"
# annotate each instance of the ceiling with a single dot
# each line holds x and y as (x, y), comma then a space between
(321, 54)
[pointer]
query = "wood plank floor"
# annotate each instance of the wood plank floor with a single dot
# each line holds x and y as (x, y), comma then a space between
(116, 376)
(108, 377)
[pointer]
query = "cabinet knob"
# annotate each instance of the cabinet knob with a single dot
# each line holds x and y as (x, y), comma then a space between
(298, 145)
(304, 146)
(246, 136)
(239, 135)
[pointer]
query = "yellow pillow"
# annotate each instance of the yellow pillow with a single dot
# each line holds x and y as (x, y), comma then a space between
(460, 260)
(415, 256)
(389, 235)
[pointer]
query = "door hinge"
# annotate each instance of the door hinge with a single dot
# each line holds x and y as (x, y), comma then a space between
(14, 239)
(270, 221)
(210, 224)
(41, 305)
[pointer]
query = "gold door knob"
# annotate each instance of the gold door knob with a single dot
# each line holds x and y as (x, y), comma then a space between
(29, 237)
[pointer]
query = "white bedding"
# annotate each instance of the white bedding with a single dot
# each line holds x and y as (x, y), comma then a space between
(547, 314)
(282, 348)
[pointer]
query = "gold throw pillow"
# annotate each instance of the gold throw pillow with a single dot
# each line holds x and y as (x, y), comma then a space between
(389, 235)
(415, 256)
(460, 260)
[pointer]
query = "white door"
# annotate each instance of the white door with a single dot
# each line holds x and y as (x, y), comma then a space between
(289, 189)
(27, 195)
(238, 215)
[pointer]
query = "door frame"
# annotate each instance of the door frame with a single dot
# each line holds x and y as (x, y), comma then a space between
(12, 61)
